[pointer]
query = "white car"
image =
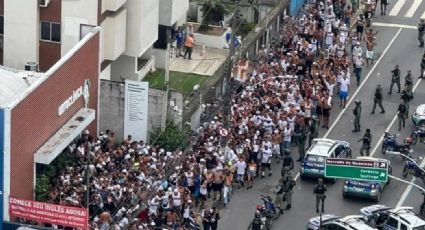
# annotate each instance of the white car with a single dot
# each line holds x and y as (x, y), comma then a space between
(402, 218)
(418, 118)
(353, 222)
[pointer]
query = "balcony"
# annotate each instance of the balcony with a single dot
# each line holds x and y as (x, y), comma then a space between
(112, 5)
(171, 11)
(114, 35)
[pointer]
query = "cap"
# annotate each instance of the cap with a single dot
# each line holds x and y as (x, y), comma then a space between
(357, 102)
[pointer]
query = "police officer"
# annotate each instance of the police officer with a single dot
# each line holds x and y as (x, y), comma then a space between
(409, 79)
(314, 130)
(288, 162)
(320, 190)
(301, 142)
(421, 75)
(256, 223)
(401, 113)
(384, 4)
(406, 97)
(395, 79)
(366, 142)
(357, 114)
(289, 184)
(378, 97)
(421, 31)
(280, 190)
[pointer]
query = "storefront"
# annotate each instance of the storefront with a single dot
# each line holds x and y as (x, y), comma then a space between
(41, 113)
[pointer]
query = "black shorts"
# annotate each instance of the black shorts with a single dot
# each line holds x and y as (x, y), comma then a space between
(217, 187)
(319, 111)
(266, 165)
(326, 112)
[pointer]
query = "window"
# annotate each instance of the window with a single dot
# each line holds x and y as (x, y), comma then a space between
(392, 222)
(1, 25)
(50, 31)
(403, 227)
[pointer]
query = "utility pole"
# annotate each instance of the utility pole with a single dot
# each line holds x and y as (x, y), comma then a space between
(167, 79)
(227, 81)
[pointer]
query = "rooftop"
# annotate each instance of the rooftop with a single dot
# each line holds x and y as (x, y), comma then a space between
(14, 83)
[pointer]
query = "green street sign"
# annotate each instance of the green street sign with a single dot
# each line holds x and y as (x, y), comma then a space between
(367, 170)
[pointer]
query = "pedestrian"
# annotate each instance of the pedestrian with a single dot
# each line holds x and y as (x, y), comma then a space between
(384, 4)
(395, 79)
(357, 114)
(421, 31)
(301, 142)
(366, 142)
(206, 219)
(227, 189)
(401, 114)
(343, 91)
(406, 97)
(421, 74)
(266, 157)
(257, 223)
(215, 217)
(358, 62)
(276, 140)
(320, 190)
(279, 196)
(408, 82)
(288, 189)
(240, 171)
(370, 45)
(360, 26)
(314, 130)
(288, 162)
(326, 108)
(179, 41)
(378, 97)
(252, 169)
(189, 44)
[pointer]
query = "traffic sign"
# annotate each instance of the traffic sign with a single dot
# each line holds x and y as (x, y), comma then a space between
(367, 170)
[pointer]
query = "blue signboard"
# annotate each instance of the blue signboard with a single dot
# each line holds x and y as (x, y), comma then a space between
(295, 6)
(2, 126)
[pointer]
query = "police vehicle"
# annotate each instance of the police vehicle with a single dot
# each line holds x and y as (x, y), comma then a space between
(418, 118)
(314, 223)
(366, 189)
(313, 165)
(402, 218)
(353, 222)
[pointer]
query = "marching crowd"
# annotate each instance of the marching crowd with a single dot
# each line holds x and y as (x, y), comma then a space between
(287, 99)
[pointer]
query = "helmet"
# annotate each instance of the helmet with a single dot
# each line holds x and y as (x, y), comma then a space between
(357, 102)
(408, 141)
(260, 207)
(396, 66)
(257, 214)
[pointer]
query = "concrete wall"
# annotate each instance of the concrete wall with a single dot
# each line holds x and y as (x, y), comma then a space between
(142, 26)
(111, 114)
(172, 10)
(113, 35)
(125, 67)
(74, 13)
(21, 45)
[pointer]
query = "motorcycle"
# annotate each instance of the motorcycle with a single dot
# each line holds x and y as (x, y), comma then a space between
(390, 144)
(270, 209)
(418, 134)
(412, 168)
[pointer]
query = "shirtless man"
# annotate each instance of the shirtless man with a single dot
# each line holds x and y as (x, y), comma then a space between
(370, 44)
(276, 140)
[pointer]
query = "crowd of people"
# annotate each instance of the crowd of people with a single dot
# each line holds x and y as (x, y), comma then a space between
(286, 101)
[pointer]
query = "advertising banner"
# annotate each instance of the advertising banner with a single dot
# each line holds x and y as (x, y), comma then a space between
(48, 213)
(136, 109)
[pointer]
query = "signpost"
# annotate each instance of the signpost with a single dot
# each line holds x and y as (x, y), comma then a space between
(366, 170)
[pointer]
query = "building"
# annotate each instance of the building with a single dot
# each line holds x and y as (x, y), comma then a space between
(46, 30)
(42, 113)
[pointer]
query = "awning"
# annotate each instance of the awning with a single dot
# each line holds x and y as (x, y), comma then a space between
(64, 136)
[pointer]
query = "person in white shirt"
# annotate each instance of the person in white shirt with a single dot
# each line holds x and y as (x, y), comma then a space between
(343, 91)
(240, 171)
(266, 158)
(358, 62)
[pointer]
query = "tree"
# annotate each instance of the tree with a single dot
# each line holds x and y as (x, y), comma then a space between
(171, 139)
(214, 12)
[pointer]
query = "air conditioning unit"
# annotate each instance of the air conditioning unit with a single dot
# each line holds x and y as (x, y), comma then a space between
(31, 66)
(44, 3)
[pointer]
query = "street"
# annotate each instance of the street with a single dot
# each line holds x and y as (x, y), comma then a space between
(396, 44)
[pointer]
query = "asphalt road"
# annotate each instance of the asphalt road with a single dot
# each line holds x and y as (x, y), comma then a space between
(397, 44)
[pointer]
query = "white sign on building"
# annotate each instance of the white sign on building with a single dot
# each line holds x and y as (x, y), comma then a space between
(136, 109)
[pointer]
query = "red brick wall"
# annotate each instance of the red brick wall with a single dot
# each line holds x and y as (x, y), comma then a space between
(50, 52)
(35, 119)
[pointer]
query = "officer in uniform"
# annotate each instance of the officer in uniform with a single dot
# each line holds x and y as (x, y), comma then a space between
(314, 130)
(357, 114)
(256, 223)
(280, 190)
(288, 163)
(395, 79)
(421, 31)
(401, 113)
(366, 142)
(378, 97)
(320, 190)
(406, 97)
(301, 143)
(421, 75)
(288, 189)
(409, 79)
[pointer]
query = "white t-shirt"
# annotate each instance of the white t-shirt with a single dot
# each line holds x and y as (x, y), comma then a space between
(240, 167)
(344, 85)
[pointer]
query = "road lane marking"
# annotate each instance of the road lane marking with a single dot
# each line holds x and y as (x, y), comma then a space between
(413, 8)
(409, 187)
(383, 24)
(359, 88)
(397, 7)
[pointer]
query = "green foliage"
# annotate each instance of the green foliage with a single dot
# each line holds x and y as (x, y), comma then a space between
(171, 139)
(42, 188)
(246, 28)
(214, 11)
